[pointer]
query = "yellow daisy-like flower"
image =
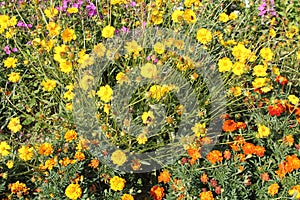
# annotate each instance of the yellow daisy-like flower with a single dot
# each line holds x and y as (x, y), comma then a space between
(223, 17)
(263, 131)
(121, 78)
(233, 16)
(86, 82)
(68, 35)
(14, 77)
(72, 10)
(73, 191)
(199, 129)
(133, 47)
(25, 153)
(147, 117)
(142, 138)
(238, 68)
(204, 36)
(293, 99)
(177, 15)
(48, 85)
(46, 149)
(100, 49)
(225, 64)
(295, 191)
(10, 62)
(108, 32)
(260, 70)
(118, 157)
(127, 197)
(51, 12)
(266, 54)
(272, 33)
(149, 70)
(105, 93)
(4, 149)
(159, 48)
(53, 29)
(10, 164)
(273, 189)
(14, 125)
(259, 82)
(189, 16)
(117, 183)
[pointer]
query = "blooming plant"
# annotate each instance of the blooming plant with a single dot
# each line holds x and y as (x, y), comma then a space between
(160, 99)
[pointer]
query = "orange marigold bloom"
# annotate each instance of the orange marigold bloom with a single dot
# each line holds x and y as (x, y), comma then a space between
(46, 149)
(229, 126)
(214, 156)
(70, 135)
(206, 195)
(273, 189)
(194, 153)
(241, 125)
(265, 176)
(19, 188)
(234, 147)
(259, 151)
(227, 154)
(164, 177)
(289, 140)
(79, 155)
(157, 192)
(204, 178)
(248, 148)
(94, 163)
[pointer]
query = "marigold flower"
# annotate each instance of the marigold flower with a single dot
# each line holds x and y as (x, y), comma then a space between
(53, 29)
(19, 188)
(73, 191)
(117, 183)
(273, 189)
(9, 164)
(282, 80)
(4, 149)
(14, 77)
(118, 157)
(48, 85)
(265, 176)
(68, 35)
(204, 36)
(79, 156)
(293, 99)
(238, 68)
(164, 177)
(260, 70)
(263, 131)
(277, 109)
(229, 126)
(70, 135)
(46, 149)
(259, 151)
(223, 17)
(142, 138)
(194, 153)
(157, 192)
(105, 93)
(204, 178)
(94, 163)
(51, 12)
(127, 197)
(199, 129)
(266, 54)
(225, 64)
(295, 191)
(65, 66)
(108, 32)
(207, 195)
(10, 62)
(214, 156)
(14, 124)
(25, 153)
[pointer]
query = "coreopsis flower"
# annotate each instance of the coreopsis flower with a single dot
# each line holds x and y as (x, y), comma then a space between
(148, 117)
(72, 10)
(10, 62)
(149, 70)
(121, 78)
(53, 29)
(118, 157)
(189, 16)
(295, 191)
(199, 129)
(214, 156)
(293, 30)
(105, 93)
(69, 106)
(238, 68)
(68, 35)
(259, 82)
(157, 192)
(225, 64)
(159, 48)
(46, 149)
(272, 33)
(223, 17)
(133, 47)
(204, 36)
(266, 54)
(142, 138)
(157, 91)
(260, 70)
(177, 15)
(207, 195)
(229, 126)
(14, 125)
(100, 49)
(9, 164)
(108, 31)
(233, 16)
(263, 131)
(164, 177)
(73, 191)
(127, 197)
(70, 135)
(117, 183)
(4, 149)
(293, 99)
(273, 189)
(236, 91)
(48, 85)
(25, 153)
(65, 66)
(14, 77)
(51, 12)
(19, 188)
(157, 16)
(241, 53)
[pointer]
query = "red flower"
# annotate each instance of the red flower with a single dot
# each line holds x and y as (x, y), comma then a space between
(229, 126)
(276, 109)
(282, 80)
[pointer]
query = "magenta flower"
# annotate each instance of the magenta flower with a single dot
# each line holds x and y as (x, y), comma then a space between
(6, 49)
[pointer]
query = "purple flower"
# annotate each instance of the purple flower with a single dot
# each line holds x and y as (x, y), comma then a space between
(148, 58)
(262, 6)
(20, 24)
(2, 3)
(133, 4)
(124, 29)
(6, 49)
(14, 50)
(91, 8)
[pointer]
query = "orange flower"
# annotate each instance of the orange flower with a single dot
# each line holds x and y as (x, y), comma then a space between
(157, 192)
(214, 156)
(227, 154)
(289, 140)
(273, 189)
(259, 151)
(164, 177)
(206, 195)
(265, 176)
(194, 153)
(94, 163)
(204, 178)
(229, 126)
(248, 148)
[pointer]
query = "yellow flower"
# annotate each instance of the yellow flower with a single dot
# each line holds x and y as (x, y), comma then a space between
(72, 10)
(149, 70)
(238, 68)
(4, 21)
(14, 125)
(147, 117)
(237, 91)
(263, 131)
(273, 189)
(223, 17)
(25, 153)
(69, 95)
(204, 36)
(295, 191)
(293, 99)
(127, 197)
(142, 138)
(157, 91)
(60, 52)
(53, 28)
(199, 129)
(48, 85)
(51, 12)
(276, 71)
(260, 70)
(121, 78)
(10, 62)
(233, 16)
(70, 135)
(68, 35)
(272, 33)
(225, 64)
(106, 108)
(118, 157)
(259, 82)
(46, 149)
(189, 16)
(14, 77)
(241, 53)
(10, 164)
(4, 149)
(99, 49)
(133, 47)
(19, 188)
(105, 93)
(266, 53)
(159, 48)
(177, 16)
(108, 31)
(157, 17)
(69, 106)
(65, 66)
(86, 81)
(117, 183)
(73, 191)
